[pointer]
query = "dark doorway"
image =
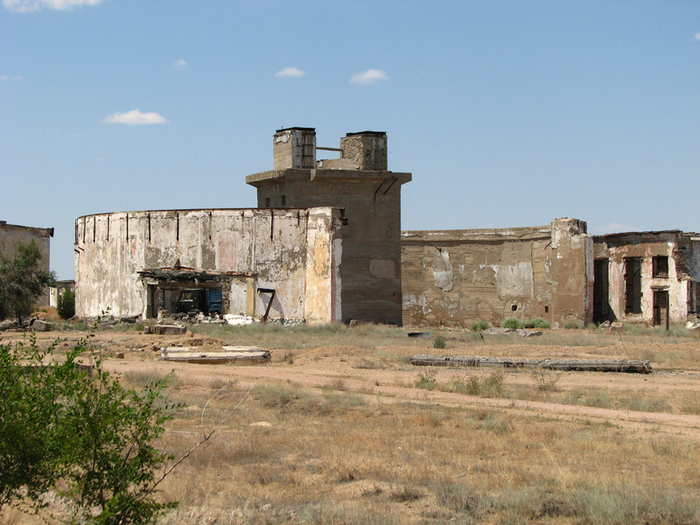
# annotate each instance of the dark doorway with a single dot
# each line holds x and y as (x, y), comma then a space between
(601, 287)
(661, 308)
(633, 285)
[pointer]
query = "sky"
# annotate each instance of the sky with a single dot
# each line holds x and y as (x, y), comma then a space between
(507, 113)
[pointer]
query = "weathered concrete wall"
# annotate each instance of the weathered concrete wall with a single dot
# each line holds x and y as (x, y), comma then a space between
(680, 282)
(11, 235)
(371, 199)
(255, 248)
(456, 277)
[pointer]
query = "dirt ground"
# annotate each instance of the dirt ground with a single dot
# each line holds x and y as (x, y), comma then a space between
(386, 371)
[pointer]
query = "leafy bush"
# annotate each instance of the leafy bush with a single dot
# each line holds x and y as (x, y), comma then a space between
(77, 430)
(66, 304)
(439, 342)
(511, 323)
(571, 326)
(538, 322)
(480, 326)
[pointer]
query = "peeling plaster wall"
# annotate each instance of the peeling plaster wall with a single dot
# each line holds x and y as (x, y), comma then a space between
(12, 235)
(456, 277)
(272, 245)
(683, 271)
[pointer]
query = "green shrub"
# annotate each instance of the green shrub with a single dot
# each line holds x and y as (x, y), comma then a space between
(538, 322)
(571, 326)
(480, 326)
(66, 304)
(511, 323)
(82, 433)
(439, 342)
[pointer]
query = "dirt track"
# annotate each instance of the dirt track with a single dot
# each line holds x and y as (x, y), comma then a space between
(319, 367)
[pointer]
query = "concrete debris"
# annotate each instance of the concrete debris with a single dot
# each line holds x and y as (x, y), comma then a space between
(528, 332)
(616, 327)
(239, 320)
(165, 329)
(40, 326)
(522, 332)
(227, 354)
(495, 330)
(631, 366)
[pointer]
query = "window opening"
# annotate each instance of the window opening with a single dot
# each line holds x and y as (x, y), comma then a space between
(633, 285)
(660, 266)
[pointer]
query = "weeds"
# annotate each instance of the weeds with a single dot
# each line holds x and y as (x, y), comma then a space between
(545, 381)
(480, 326)
(426, 380)
(439, 342)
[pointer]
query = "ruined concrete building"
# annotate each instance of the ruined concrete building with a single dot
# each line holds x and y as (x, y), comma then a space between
(556, 272)
(652, 277)
(325, 244)
(11, 235)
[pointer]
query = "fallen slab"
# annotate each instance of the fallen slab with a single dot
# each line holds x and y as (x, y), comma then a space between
(631, 366)
(228, 354)
(165, 329)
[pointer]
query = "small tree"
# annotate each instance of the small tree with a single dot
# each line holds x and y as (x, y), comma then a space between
(78, 430)
(66, 304)
(22, 281)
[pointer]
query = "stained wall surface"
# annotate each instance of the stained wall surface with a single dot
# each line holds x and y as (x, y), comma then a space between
(293, 251)
(679, 277)
(12, 235)
(457, 277)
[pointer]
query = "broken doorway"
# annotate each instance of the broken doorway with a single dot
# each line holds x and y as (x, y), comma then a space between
(661, 314)
(601, 290)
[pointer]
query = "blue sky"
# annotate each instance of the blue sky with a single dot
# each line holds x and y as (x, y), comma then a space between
(507, 113)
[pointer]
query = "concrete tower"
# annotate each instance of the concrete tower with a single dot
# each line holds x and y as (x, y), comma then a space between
(359, 183)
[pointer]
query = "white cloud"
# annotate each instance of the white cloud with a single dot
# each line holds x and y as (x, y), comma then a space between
(134, 118)
(10, 78)
(28, 6)
(179, 64)
(369, 77)
(290, 72)
(696, 36)
(616, 227)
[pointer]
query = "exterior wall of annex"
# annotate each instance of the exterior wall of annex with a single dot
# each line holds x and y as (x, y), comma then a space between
(11, 235)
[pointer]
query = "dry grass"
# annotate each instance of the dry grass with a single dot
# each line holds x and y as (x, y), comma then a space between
(336, 452)
(331, 458)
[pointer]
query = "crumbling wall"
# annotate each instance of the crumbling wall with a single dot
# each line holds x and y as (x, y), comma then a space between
(269, 245)
(11, 235)
(456, 277)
